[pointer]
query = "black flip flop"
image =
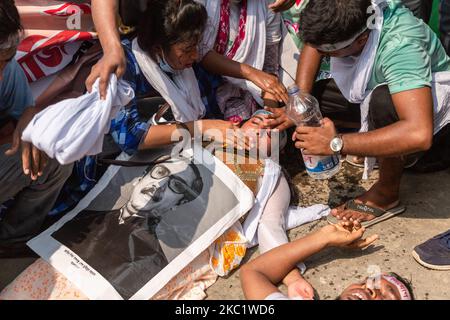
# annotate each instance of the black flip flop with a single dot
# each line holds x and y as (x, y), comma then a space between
(380, 214)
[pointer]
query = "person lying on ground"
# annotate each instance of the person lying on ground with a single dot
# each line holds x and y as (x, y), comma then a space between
(259, 277)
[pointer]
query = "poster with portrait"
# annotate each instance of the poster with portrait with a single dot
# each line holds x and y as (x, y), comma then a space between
(141, 225)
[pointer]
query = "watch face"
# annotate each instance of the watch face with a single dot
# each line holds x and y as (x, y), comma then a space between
(336, 144)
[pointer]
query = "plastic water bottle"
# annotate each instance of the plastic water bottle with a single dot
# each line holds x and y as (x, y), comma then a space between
(303, 109)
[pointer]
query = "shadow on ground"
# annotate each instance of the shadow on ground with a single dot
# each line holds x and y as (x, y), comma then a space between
(427, 197)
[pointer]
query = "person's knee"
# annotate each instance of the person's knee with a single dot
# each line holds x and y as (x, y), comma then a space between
(333, 104)
(58, 172)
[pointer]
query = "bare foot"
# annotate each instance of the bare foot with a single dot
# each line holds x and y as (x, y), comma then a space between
(357, 160)
(376, 197)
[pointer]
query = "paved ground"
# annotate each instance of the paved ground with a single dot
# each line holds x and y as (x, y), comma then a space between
(428, 201)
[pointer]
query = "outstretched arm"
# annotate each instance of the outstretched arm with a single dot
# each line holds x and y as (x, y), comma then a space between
(216, 63)
(260, 276)
(163, 135)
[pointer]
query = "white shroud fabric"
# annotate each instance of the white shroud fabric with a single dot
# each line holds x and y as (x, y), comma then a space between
(295, 216)
(75, 128)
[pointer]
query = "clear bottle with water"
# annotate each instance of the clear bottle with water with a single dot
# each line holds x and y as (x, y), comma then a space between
(303, 109)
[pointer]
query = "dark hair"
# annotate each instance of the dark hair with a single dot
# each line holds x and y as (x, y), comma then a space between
(332, 21)
(9, 20)
(167, 22)
(407, 283)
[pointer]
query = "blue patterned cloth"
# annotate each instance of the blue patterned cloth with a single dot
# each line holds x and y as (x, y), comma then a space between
(127, 131)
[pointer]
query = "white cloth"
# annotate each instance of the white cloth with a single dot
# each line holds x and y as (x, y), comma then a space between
(279, 296)
(369, 163)
(272, 172)
(272, 227)
(277, 217)
(75, 128)
(289, 57)
(295, 216)
(182, 94)
(352, 74)
(440, 86)
(252, 49)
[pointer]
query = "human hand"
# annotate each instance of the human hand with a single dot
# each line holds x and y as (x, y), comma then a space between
(226, 133)
(315, 140)
(259, 134)
(33, 160)
(301, 288)
(347, 234)
(279, 119)
(113, 61)
(281, 5)
(268, 83)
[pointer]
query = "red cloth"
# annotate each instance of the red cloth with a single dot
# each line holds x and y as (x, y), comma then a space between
(49, 44)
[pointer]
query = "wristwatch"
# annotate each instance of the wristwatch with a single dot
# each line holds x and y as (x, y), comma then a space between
(337, 144)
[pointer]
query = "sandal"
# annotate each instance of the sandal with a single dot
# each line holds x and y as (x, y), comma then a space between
(411, 161)
(354, 161)
(380, 214)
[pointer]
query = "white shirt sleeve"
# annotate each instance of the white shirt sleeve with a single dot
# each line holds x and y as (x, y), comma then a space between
(277, 296)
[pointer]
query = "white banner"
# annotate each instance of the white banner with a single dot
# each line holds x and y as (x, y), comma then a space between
(140, 226)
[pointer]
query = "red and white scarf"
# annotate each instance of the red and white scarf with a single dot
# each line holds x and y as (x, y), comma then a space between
(223, 34)
(251, 42)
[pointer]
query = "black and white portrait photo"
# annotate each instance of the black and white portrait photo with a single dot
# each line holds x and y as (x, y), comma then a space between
(143, 220)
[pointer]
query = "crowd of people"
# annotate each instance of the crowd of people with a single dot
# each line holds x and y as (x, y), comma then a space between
(380, 76)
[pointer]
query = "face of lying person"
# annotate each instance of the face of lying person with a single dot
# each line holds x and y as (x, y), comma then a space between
(182, 56)
(163, 188)
(386, 287)
(254, 126)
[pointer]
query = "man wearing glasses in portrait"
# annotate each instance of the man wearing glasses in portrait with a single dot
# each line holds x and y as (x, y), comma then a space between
(122, 245)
